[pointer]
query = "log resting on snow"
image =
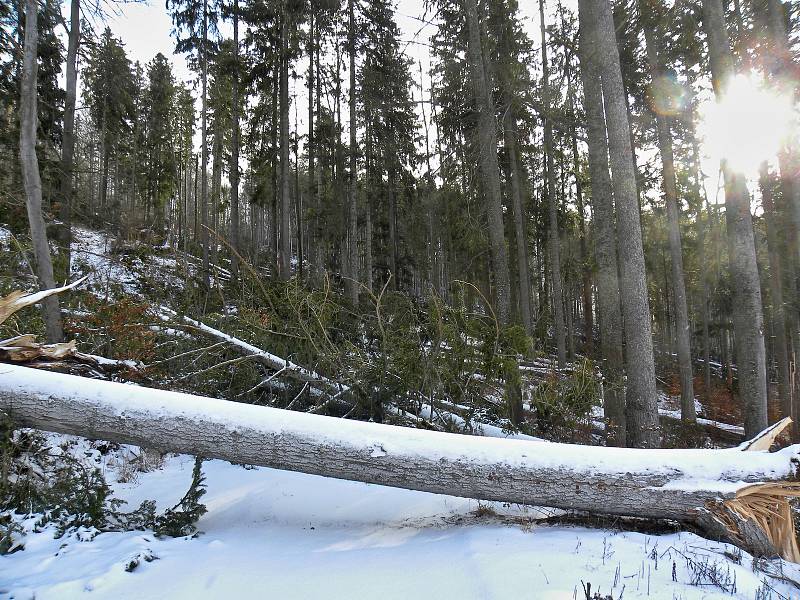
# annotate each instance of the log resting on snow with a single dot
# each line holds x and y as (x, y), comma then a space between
(684, 485)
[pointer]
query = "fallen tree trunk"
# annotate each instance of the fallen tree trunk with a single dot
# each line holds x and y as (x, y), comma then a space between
(697, 486)
(318, 382)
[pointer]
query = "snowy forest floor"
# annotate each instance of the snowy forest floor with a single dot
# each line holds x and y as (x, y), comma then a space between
(271, 533)
(277, 534)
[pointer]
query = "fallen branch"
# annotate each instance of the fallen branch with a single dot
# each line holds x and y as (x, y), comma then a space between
(276, 363)
(61, 356)
(703, 487)
(18, 300)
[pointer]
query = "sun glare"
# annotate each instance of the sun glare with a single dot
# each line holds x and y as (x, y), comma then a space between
(748, 126)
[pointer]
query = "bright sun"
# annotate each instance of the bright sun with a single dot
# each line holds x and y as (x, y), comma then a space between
(749, 126)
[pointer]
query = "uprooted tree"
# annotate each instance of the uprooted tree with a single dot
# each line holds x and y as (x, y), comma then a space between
(739, 494)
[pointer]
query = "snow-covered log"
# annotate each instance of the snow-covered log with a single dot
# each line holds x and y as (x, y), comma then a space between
(685, 485)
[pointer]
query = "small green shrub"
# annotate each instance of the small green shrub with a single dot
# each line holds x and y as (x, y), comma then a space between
(564, 403)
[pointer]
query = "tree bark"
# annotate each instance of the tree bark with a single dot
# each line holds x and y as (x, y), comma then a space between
(234, 175)
(642, 409)
(617, 481)
(352, 283)
(748, 319)
(552, 207)
(664, 133)
(285, 253)
(392, 218)
(31, 178)
(605, 238)
(68, 140)
(781, 352)
(204, 237)
(216, 189)
(583, 259)
(520, 230)
(490, 170)
(312, 240)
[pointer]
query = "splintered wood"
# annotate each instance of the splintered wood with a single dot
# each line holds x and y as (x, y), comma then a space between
(759, 518)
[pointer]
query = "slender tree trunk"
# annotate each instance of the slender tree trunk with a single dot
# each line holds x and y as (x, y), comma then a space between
(234, 175)
(285, 254)
(318, 245)
(392, 217)
(487, 141)
(352, 283)
(781, 64)
(642, 408)
(552, 207)
(204, 238)
(31, 178)
(216, 189)
(368, 191)
(298, 202)
(520, 231)
(271, 213)
(430, 204)
(368, 266)
(663, 129)
(313, 241)
(703, 226)
(68, 139)
(748, 319)
(104, 172)
(586, 272)
(776, 294)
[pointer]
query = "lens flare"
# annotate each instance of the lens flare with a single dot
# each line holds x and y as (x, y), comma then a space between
(749, 125)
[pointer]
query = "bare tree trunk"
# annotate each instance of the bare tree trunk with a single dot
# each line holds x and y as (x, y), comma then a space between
(434, 236)
(702, 228)
(552, 207)
(319, 248)
(313, 240)
(605, 238)
(663, 130)
(31, 178)
(776, 294)
(204, 237)
(351, 283)
(298, 202)
(68, 139)
(490, 170)
(642, 409)
(234, 175)
(285, 253)
(106, 155)
(216, 190)
(392, 217)
(271, 213)
(586, 273)
(748, 319)
(520, 231)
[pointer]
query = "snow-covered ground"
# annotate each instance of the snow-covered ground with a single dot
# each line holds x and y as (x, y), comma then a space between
(92, 255)
(274, 534)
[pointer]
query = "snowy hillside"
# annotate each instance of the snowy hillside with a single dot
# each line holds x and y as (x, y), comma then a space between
(274, 534)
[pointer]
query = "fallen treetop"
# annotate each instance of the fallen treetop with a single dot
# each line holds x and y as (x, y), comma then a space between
(302, 374)
(673, 484)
